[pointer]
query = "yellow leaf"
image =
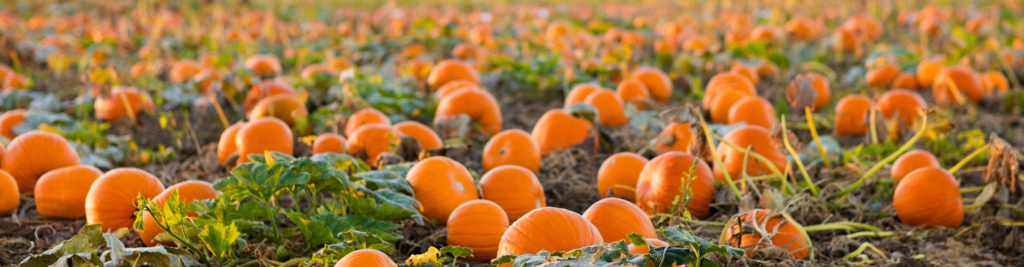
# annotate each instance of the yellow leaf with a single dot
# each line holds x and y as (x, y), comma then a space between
(270, 158)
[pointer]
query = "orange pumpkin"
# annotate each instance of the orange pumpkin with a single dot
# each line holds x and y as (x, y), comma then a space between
(263, 90)
(312, 71)
(557, 130)
(580, 92)
(905, 81)
(618, 171)
(965, 80)
(802, 28)
(450, 70)
(661, 178)
(262, 135)
(287, 108)
(926, 72)
(455, 86)
(882, 75)
(111, 199)
(845, 40)
(633, 91)
(183, 71)
(111, 106)
(994, 80)
(676, 136)
(820, 85)
(644, 249)
(514, 188)
(929, 197)
(912, 161)
(187, 192)
(562, 229)
(755, 111)
(760, 142)
(9, 196)
(10, 120)
(427, 137)
(727, 81)
(746, 71)
(366, 258)
(266, 66)
(35, 153)
(479, 105)
(440, 185)
(851, 112)
(616, 218)
(61, 193)
(609, 107)
(767, 69)
(372, 140)
(329, 143)
(512, 147)
(657, 82)
(783, 233)
(723, 102)
(365, 116)
(900, 104)
(226, 146)
(478, 225)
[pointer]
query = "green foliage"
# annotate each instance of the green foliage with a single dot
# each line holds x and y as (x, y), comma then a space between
(84, 250)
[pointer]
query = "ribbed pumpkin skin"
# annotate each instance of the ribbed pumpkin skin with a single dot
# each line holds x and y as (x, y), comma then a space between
(441, 185)
(372, 140)
(226, 146)
(929, 197)
(557, 130)
(479, 105)
(9, 194)
(551, 229)
(35, 153)
(284, 107)
(616, 218)
(187, 191)
(9, 120)
(329, 143)
(515, 189)
(262, 135)
(851, 112)
(111, 199)
(366, 258)
(110, 107)
(61, 193)
(478, 224)
(362, 117)
(912, 161)
(620, 169)
(427, 137)
(787, 235)
(512, 147)
(660, 181)
(760, 141)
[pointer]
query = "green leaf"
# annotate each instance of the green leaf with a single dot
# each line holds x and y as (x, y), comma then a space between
(313, 231)
(457, 252)
(218, 238)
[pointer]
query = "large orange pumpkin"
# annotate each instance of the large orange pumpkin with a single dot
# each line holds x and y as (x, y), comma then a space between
(111, 199)
(900, 104)
(10, 120)
(512, 147)
(451, 70)
(609, 107)
(366, 258)
(755, 111)
(677, 137)
(9, 194)
(111, 106)
(187, 192)
(929, 197)
(365, 116)
(514, 188)
(657, 82)
(263, 90)
(427, 137)
(441, 185)
(660, 181)
(784, 234)
(61, 193)
(965, 80)
(227, 146)
(478, 225)
(618, 171)
(372, 140)
(558, 130)
(551, 229)
(287, 108)
(329, 143)
(912, 161)
(263, 135)
(760, 142)
(851, 114)
(479, 105)
(35, 153)
(616, 218)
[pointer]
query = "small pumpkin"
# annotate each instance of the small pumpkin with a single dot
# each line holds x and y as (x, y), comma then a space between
(188, 191)
(454, 87)
(616, 218)
(755, 111)
(440, 185)
(262, 135)
(427, 137)
(927, 70)
(929, 197)
(993, 79)
(634, 92)
(882, 76)
(675, 137)
(478, 105)
(660, 183)
(10, 120)
(9, 194)
(619, 171)
(329, 143)
(478, 225)
(912, 161)
(851, 114)
(265, 66)
(61, 193)
(512, 147)
(746, 71)
(557, 130)
(371, 140)
(657, 82)
(609, 107)
(723, 102)
(111, 106)
(760, 142)
(263, 90)
(905, 81)
(365, 116)
(111, 199)
(782, 233)
(724, 82)
(901, 105)
(965, 80)
(35, 153)
(227, 146)
(450, 70)
(514, 188)
(580, 92)
(287, 108)
(562, 229)
(366, 258)
(183, 71)
(820, 85)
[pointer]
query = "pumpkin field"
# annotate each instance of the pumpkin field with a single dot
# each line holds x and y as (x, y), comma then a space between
(511, 133)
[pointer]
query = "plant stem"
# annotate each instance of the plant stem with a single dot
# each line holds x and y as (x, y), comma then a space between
(880, 164)
(762, 159)
(796, 157)
(714, 154)
(814, 134)
(860, 250)
(183, 241)
(273, 220)
(869, 234)
(828, 227)
(962, 163)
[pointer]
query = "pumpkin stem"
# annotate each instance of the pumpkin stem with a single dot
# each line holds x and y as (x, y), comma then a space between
(814, 134)
(714, 153)
(796, 156)
(962, 163)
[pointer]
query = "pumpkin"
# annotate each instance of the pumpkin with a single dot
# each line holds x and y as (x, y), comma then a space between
(674, 137)
(557, 130)
(465, 51)
(262, 135)
(820, 85)
(994, 80)
(365, 116)
(111, 106)
(35, 153)
(366, 258)
(187, 192)
(883, 75)
(263, 90)
(450, 70)
(580, 92)
(965, 80)
(478, 225)
(371, 140)
(616, 218)
(900, 105)
(61, 193)
(609, 107)
(312, 71)
(440, 185)
(514, 188)
(723, 102)
(742, 233)
(746, 71)
(183, 71)
(329, 143)
(912, 161)
(9, 194)
(845, 40)
(427, 137)
(227, 146)
(635, 92)
(926, 72)
(111, 199)
(265, 66)
(768, 70)
(905, 81)
(754, 111)
(760, 142)
(657, 82)
(478, 105)
(661, 178)
(551, 229)
(287, 108)
(454, 87)
(929, 197)
(724, 82)
(644, 249)
(618, 172)
(802, 28)
(851, 115)
(10, 120)
(512, 147)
